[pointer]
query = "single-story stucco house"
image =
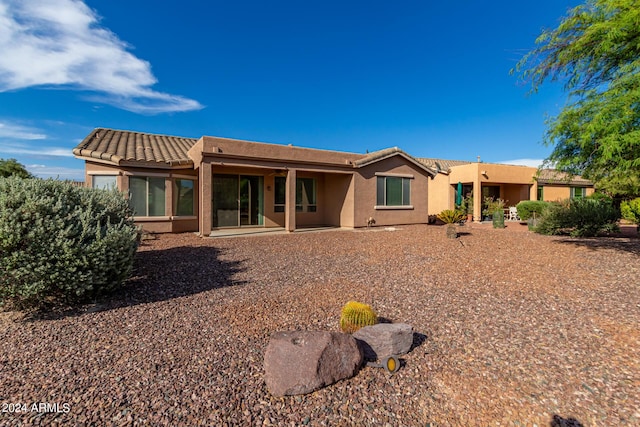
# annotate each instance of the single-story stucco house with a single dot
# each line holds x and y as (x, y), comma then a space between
(181, 184)
(185, 184)
(511, 183)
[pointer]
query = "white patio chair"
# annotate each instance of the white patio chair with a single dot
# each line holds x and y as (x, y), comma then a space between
(513, 214)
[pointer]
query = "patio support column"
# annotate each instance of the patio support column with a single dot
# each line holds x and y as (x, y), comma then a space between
(204, 214)
(533, 190)
(290, 200)
(477, 200)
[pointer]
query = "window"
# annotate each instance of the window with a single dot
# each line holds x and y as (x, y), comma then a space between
(305, 195)
(147, 196)
(393, 191)
(578, 192)
(104, 182)
(540, 193)
(183, 197)
(279, 199)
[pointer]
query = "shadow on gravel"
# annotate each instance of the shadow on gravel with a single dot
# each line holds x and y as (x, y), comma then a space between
(616, 243)
(161, 275)
(558, 421)
(418, 340)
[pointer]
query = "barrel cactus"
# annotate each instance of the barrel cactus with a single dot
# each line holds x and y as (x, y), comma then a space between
(355, 315)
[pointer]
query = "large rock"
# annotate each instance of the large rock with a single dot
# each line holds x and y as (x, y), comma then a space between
(300, 362)
(384, 339)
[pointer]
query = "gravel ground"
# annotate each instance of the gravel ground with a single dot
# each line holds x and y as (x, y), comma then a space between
(510, 329)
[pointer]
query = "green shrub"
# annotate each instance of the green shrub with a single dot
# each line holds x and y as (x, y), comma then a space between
(630, 210)
(356, 315)
(450, 216)
(498, 219)
(527, 208)
(600, 196)
(579, 218)
(60, 243)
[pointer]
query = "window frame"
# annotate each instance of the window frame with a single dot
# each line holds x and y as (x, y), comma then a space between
(110, 186)
(148, 195)
(583, 191)
(279, 194)
(383, 191)
(303, 202)
(176, 194)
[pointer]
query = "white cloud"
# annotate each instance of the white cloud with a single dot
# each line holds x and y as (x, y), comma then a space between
(8, 130)
(534, 163)
(60, 43)
(42, 151)
(43, 171)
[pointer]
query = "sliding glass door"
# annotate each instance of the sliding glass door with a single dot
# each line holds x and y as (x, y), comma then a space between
(237, 200)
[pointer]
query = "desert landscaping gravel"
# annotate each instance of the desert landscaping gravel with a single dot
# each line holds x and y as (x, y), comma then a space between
(511, 329)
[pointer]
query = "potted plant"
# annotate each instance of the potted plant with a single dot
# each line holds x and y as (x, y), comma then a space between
(468, 204)
(451, 217)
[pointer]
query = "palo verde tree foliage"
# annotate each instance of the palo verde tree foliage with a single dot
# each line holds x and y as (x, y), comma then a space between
(11, 167)
(60, 243)
(595, 51)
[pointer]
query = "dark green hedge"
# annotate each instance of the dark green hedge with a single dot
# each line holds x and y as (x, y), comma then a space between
(579, 218)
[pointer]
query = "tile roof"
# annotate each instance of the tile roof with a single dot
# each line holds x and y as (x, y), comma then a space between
(441, 165)
(118, 146)
(552, 176)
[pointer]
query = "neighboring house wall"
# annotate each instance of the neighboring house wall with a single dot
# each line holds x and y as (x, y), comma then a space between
(515, 183)
(555, 192)
(441, 194)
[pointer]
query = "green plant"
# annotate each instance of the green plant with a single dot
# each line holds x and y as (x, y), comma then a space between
(527, 208)
(356, 315)
(630, 210)
(60, 243)
(11, 167)
(493, 205)
(451, 216)
(579, 218)
(498, 219)
(469, 204)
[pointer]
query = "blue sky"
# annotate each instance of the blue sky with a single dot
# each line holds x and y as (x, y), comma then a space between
(429, 77)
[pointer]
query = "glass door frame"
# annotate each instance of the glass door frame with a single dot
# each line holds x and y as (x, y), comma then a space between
(252, 215)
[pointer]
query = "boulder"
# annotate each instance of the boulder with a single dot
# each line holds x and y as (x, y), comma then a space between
(384, 339)
(299, 362)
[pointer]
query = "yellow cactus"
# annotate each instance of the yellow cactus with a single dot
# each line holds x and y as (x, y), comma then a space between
(355, 315)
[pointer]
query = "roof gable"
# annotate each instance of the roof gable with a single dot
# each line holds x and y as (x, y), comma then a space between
(380, 155)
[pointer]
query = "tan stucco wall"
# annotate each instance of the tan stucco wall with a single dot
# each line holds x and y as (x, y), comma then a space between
(555, 193)
(441, 194)
(365, 191)
(339, 199)
(223, 148)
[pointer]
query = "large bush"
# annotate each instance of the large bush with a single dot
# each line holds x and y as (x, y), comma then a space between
(630, 210)
(527, 208)
(60, 243)
(579, 218)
